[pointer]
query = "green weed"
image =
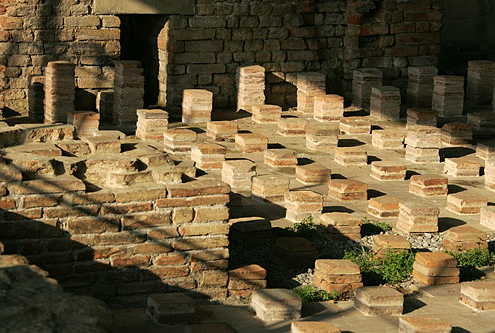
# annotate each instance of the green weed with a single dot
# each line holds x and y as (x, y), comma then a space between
(312, 294)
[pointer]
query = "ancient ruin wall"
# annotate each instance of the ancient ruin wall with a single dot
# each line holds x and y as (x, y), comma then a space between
(286, 37)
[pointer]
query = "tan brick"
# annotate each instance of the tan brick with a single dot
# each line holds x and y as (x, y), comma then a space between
(32, 201)
(167, 272)
(61, 212)
(182, 215)
(92, 225)
(146, 220)
(205, 229)
(213, 279)
(198, 243)
(210, 214)
(125, 208)
(163, 233)
(172, 259)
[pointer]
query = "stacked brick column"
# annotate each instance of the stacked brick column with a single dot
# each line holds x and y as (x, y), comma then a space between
(244, 280)
(238, 174)
(435, 268)
(302, 204)
(179, 141)
(309, 86)
(328, 108)
(420, 86)
(480, 81)
(464, 238)
(423, 144)
(59, 91)
(36, 94)
(197, 105)
(490, 175)
(417, 218)
(448, 96)
(321, 137)
(340, 276)
(385, 103)
(128, 95)
(250, 82)
(362, 82)
(151, 124)
(104, 105)
(478, 295)
(342, 226)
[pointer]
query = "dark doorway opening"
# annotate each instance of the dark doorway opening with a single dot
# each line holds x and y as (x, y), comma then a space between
(139, 34)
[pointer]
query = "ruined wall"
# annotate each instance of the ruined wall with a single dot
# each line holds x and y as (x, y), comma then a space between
(286, 37)
(116, 242)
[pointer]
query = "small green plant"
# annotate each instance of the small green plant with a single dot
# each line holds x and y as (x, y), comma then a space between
(397, 266)
(306, 228)
(471, 259)
(394, 268)
(372, 227)
(312, 294)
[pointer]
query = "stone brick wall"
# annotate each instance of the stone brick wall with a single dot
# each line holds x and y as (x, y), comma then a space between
(204, 50)
(392, 35)
(37, 31)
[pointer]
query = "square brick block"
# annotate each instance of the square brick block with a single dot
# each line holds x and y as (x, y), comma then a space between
(347, 189)
(328, 108)
(301, 204)
(384, 206)
(388, 139)
(385, 103)
(350, 156)
(250, 142)
(485, 151)
(270, 187)
(378, 301)
(422, 155)
(251, 231)
(423, 137)
(238, 174)
(448, 95)
(422, 324)
(313, 327)
(355, 125)
(466, 203)
(276, 304)
(487, 217)
(384, 243)
(266, 113)
(337, 275)
(417, 218)
(490, 175)
(362, 82)
(428, 185)
(388, 171)
(321, 136)
(197, 105)
(172, 308)
(462, 167)
(208, 156)
(250, 83)
(457, 134)
(419, 116)
(478, 295)
(435, 268)
(292, 126)
(342, 225)
(244, 280)
(221, 130)
(314, 173)
(280, 158)
(179, 140)
(464, 237)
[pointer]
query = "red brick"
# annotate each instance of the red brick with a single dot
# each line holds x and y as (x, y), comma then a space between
(167, 272)
(92, 225)
(125, 208)
(146, 220)
(174, 259)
